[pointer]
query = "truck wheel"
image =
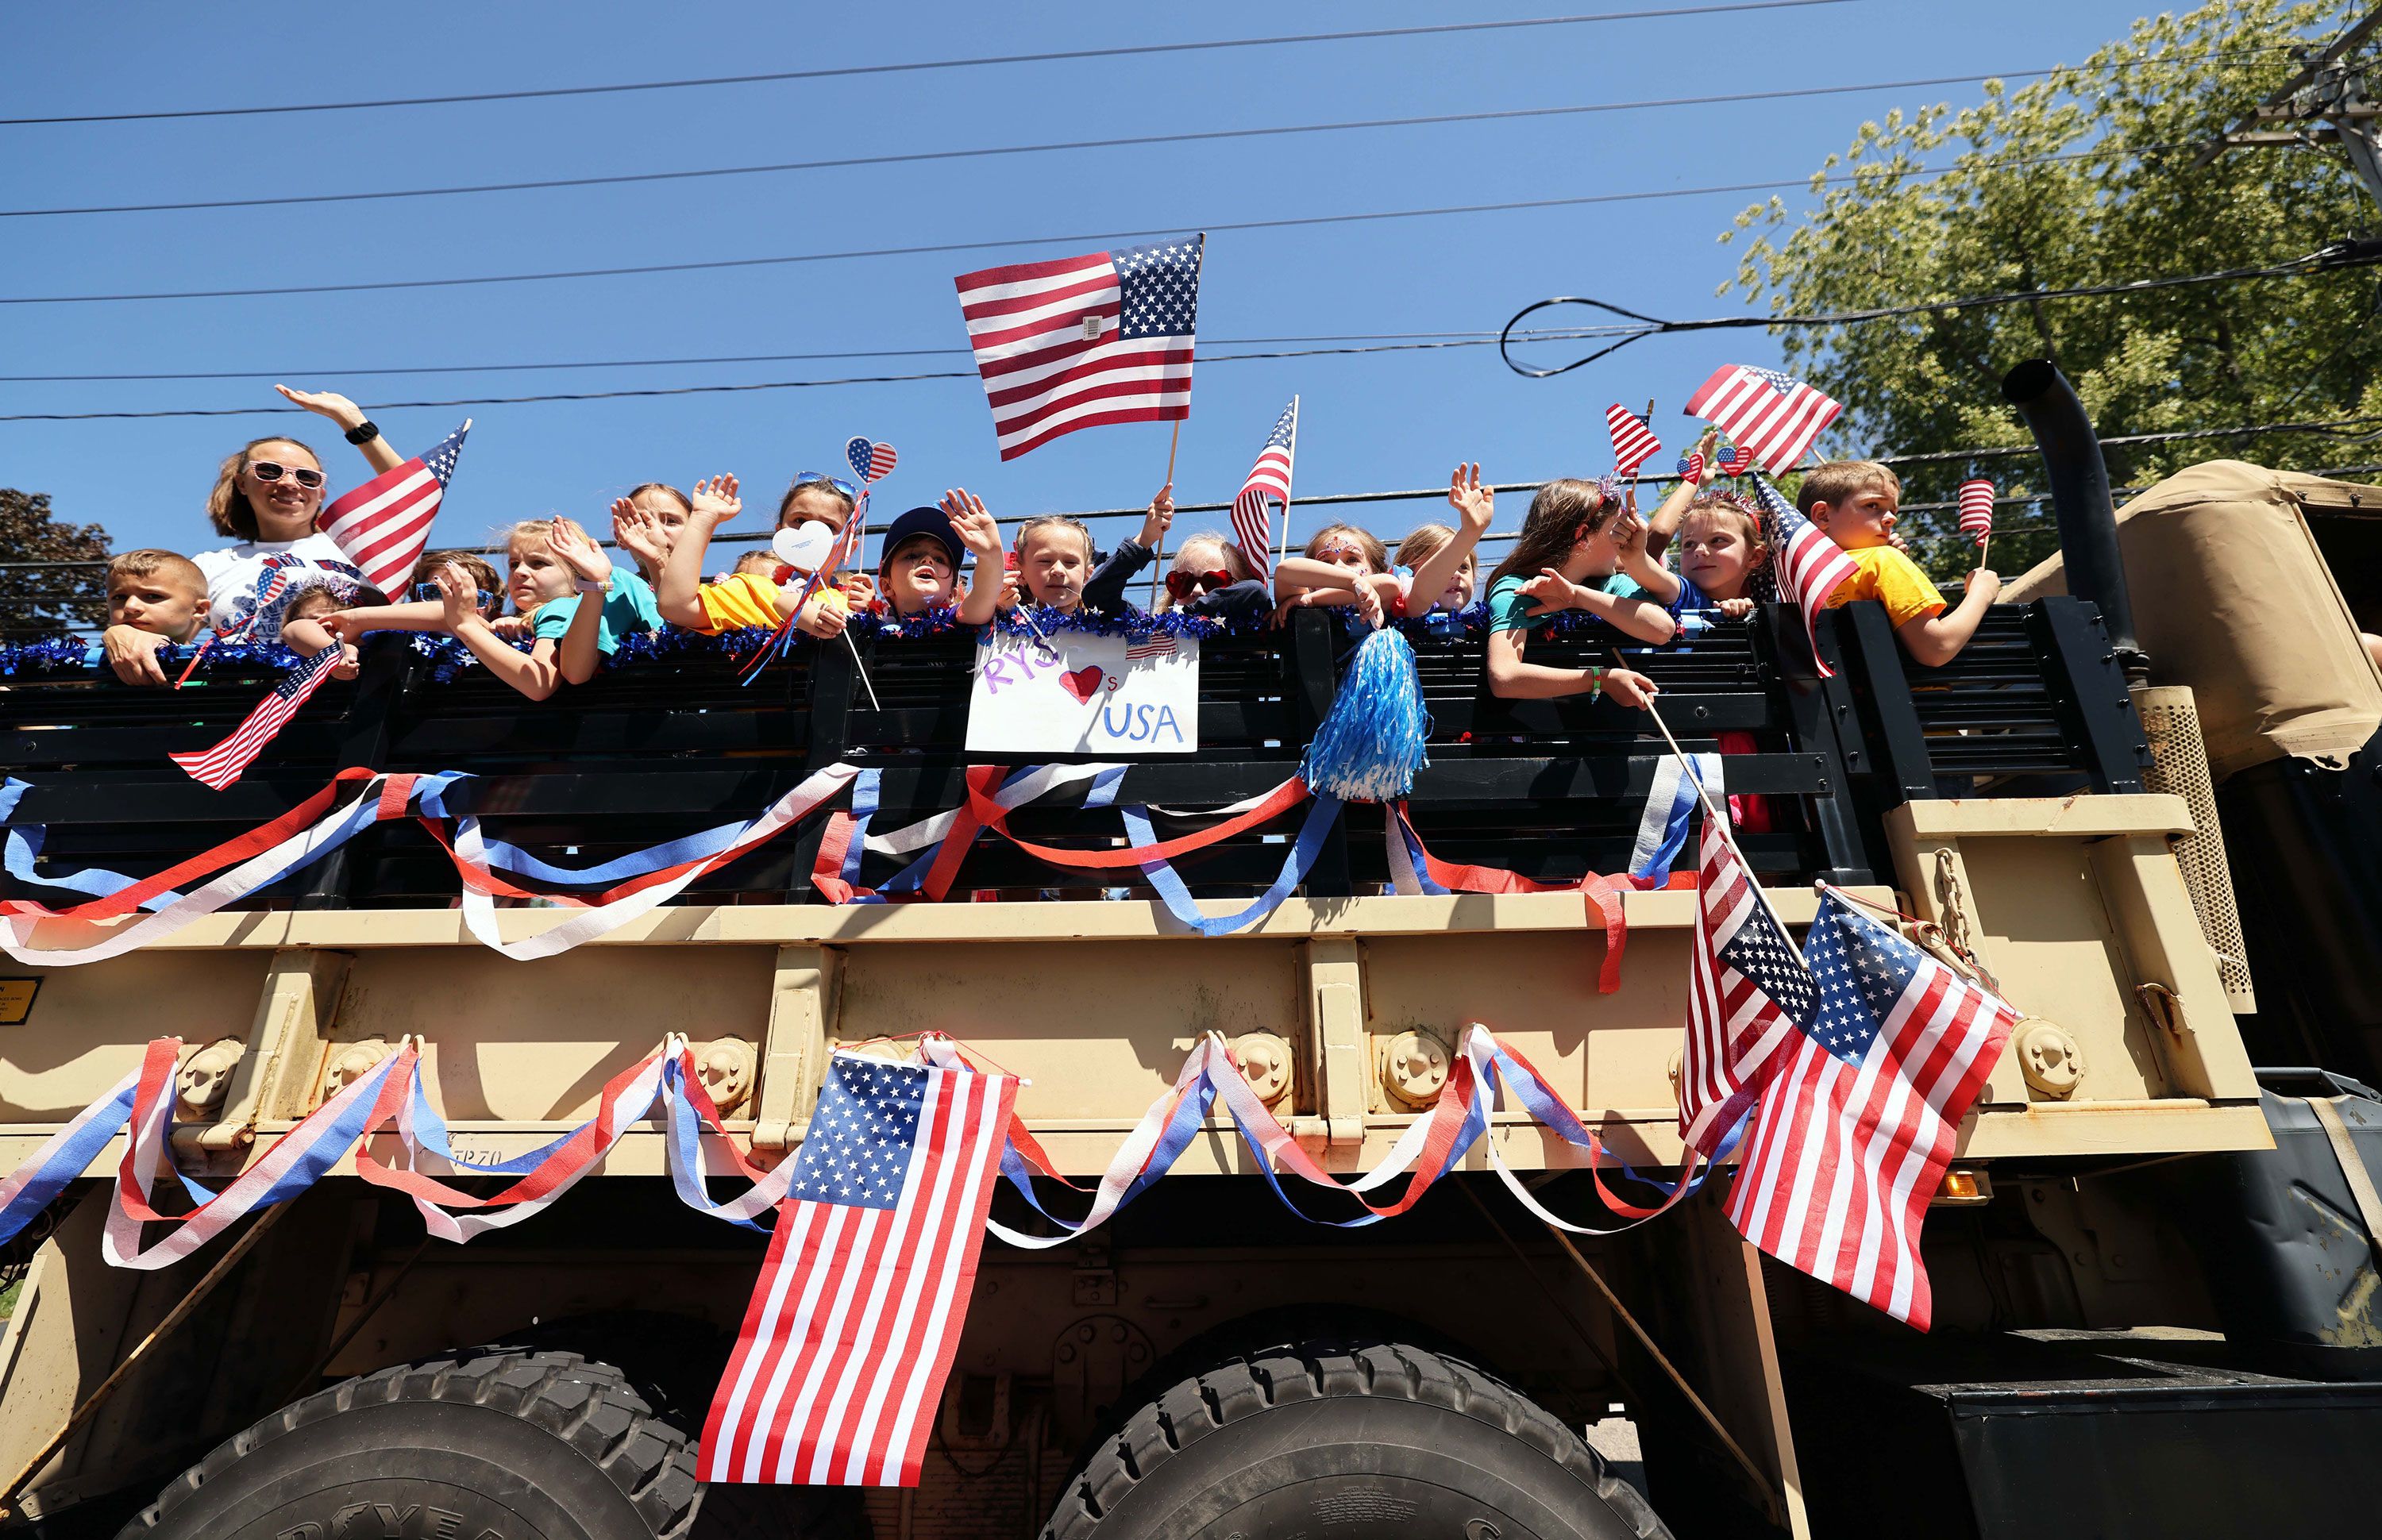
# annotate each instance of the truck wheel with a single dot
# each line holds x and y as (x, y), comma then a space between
(486, 1445)
(1356, 1437)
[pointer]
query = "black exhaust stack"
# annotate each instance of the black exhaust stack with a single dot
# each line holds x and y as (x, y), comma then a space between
(2080, 498)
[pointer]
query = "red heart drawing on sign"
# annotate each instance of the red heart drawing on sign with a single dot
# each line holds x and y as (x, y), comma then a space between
(1082, 682)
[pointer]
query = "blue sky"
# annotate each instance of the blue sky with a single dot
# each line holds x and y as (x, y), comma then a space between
(1369, 422)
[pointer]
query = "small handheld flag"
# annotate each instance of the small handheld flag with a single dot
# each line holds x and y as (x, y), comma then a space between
(1737, 461)
(384, 524)
(1977, 512)
(1084, 341)
(870, 461)
(1809, 565)
(1633, 439)
(222, 765)
(1269, 478)
(1774, 415)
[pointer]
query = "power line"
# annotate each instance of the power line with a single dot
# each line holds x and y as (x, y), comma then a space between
(1130, 141)
(2333, 257)
(845, 71)
(945, 248)
(1550, 334)
(704, 389)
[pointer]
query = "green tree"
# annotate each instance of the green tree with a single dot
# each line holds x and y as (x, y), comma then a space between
(2086, 176)
(48, 601)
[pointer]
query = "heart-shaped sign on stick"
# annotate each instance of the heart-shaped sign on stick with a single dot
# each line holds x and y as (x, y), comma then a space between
(804, 546)
(870, 461)
(1736, 462)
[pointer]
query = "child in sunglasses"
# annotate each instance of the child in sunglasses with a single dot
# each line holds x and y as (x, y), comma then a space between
(752, 599)
(1210, 576)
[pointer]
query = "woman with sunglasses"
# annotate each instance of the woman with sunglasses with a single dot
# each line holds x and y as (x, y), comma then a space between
(268, 496)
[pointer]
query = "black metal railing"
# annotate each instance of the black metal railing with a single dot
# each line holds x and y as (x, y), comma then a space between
(667, 746)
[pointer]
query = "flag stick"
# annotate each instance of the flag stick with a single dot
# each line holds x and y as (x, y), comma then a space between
(1158, 557)
(1285, 489)
(1983, 541)
(873, 703)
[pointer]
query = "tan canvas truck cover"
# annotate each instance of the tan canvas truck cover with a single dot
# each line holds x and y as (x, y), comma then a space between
(2232, 598)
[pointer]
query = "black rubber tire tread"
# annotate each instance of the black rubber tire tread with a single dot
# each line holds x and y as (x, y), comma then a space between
(1250, 1384)
(588, 1406)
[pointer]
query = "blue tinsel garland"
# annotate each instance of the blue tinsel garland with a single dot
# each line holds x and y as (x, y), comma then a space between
(670, 645)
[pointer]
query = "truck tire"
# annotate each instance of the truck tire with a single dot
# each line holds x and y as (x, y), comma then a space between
(484, 1445)
(1356, 1436)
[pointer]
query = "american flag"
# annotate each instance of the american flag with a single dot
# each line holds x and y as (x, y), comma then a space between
(384, 524)
(1748, 990)
(1633, 439)
(1774, 416)
(1269, 477)
(1809, 564)
(222, 765)
(839, 1372)
(1083, 341)
(1856, 1123)
(1977, 510)
(1156, 647)
(870, 461)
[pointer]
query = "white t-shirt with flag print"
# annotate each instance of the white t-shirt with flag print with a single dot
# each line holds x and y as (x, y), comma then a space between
(232, 573)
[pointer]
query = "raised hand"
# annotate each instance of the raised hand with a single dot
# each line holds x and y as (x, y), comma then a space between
(326, 403)
(717, 498)
(1736, 609)
(573, 548)
(638, 533)
(1628, 532)
(1551, 591)
(458, 593)
(1629, 688)
(1160, 519)
(1473, 501)
(976, 528)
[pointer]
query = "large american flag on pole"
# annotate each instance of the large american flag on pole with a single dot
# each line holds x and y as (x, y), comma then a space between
(383, 525)
(1083, 341)
(1772, 414)
(1808, 565)
(1748, 989)
(222, 765)
(839, 1372)
(1269, 478)
(1857, 1122)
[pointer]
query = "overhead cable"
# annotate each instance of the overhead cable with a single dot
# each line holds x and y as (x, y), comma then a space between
(915, 157)
(911, 67)
(2338, 255)
(942, 248)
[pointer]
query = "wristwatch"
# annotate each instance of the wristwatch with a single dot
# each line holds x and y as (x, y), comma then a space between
(364, 432)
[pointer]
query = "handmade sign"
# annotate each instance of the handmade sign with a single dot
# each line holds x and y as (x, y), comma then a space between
(1078, 693)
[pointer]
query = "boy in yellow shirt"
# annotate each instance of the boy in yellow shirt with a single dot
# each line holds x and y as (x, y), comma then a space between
(1853, 502)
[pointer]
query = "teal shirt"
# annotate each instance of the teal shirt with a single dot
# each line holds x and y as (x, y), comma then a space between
(628, 606)
(1510, 609)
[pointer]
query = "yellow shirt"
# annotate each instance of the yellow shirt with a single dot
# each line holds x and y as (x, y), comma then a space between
(1894, 580)
(738, 599)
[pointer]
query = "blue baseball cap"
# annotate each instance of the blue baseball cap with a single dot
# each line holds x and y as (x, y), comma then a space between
(930, 521)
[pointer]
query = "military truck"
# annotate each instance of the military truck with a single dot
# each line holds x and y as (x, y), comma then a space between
(2152, 1258)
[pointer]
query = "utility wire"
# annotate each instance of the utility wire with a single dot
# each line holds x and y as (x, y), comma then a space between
(1130, 141)
(846, 71)
(2338, 255)
(1564, 334)
(948, 247)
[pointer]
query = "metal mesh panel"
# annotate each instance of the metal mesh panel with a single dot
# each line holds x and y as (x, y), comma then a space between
(2179, 768)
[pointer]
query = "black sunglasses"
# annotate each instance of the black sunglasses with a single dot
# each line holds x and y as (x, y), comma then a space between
(273, 471)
